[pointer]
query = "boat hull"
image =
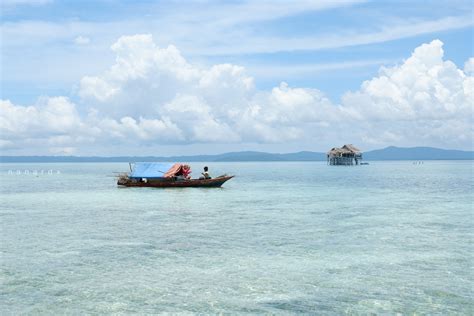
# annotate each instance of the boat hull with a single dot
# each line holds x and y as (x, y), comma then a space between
(193, 183)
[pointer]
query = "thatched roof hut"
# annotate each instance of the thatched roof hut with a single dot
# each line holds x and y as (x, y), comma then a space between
(351, 148)
(346, 155)
(335, 152)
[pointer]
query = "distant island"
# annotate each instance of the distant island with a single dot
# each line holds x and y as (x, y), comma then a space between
(389, 153)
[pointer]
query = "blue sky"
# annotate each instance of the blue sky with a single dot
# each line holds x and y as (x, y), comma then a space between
(49, 47)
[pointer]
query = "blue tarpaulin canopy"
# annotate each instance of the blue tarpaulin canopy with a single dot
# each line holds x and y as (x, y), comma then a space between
(150, 169)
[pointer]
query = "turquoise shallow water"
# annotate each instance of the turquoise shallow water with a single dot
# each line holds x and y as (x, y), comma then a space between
(391, 237)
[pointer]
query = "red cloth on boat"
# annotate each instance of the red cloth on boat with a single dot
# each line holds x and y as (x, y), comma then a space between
(186, 171)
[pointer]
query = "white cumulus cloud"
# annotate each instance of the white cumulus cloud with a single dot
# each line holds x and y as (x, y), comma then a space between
(469, 66)
(423, 99)
(49, 116)
(152, 96)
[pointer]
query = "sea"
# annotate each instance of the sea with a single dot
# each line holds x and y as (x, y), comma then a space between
(392, 237)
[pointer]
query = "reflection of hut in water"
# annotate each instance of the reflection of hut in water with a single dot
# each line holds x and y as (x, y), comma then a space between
(347, 155)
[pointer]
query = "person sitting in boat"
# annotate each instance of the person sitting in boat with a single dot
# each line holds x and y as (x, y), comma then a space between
(205, 174)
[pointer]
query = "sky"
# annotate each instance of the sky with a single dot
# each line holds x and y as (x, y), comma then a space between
(109, 77)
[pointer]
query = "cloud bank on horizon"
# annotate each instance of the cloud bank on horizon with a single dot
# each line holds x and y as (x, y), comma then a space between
(153, 96)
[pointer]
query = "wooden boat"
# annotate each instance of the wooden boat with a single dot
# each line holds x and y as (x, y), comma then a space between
(165, 175)
(172, 183)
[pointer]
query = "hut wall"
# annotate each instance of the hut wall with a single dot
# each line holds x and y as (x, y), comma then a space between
(341, 161)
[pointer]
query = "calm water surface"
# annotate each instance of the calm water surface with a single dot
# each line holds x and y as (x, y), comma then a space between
(391, 237)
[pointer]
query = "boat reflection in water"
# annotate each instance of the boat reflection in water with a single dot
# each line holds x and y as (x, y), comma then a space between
(165, 175)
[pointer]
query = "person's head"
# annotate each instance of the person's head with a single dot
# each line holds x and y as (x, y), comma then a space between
(206, 168)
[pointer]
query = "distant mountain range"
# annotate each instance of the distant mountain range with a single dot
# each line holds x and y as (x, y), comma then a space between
(389, 153)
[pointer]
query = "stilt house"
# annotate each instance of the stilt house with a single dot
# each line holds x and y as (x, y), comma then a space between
(347, 155)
